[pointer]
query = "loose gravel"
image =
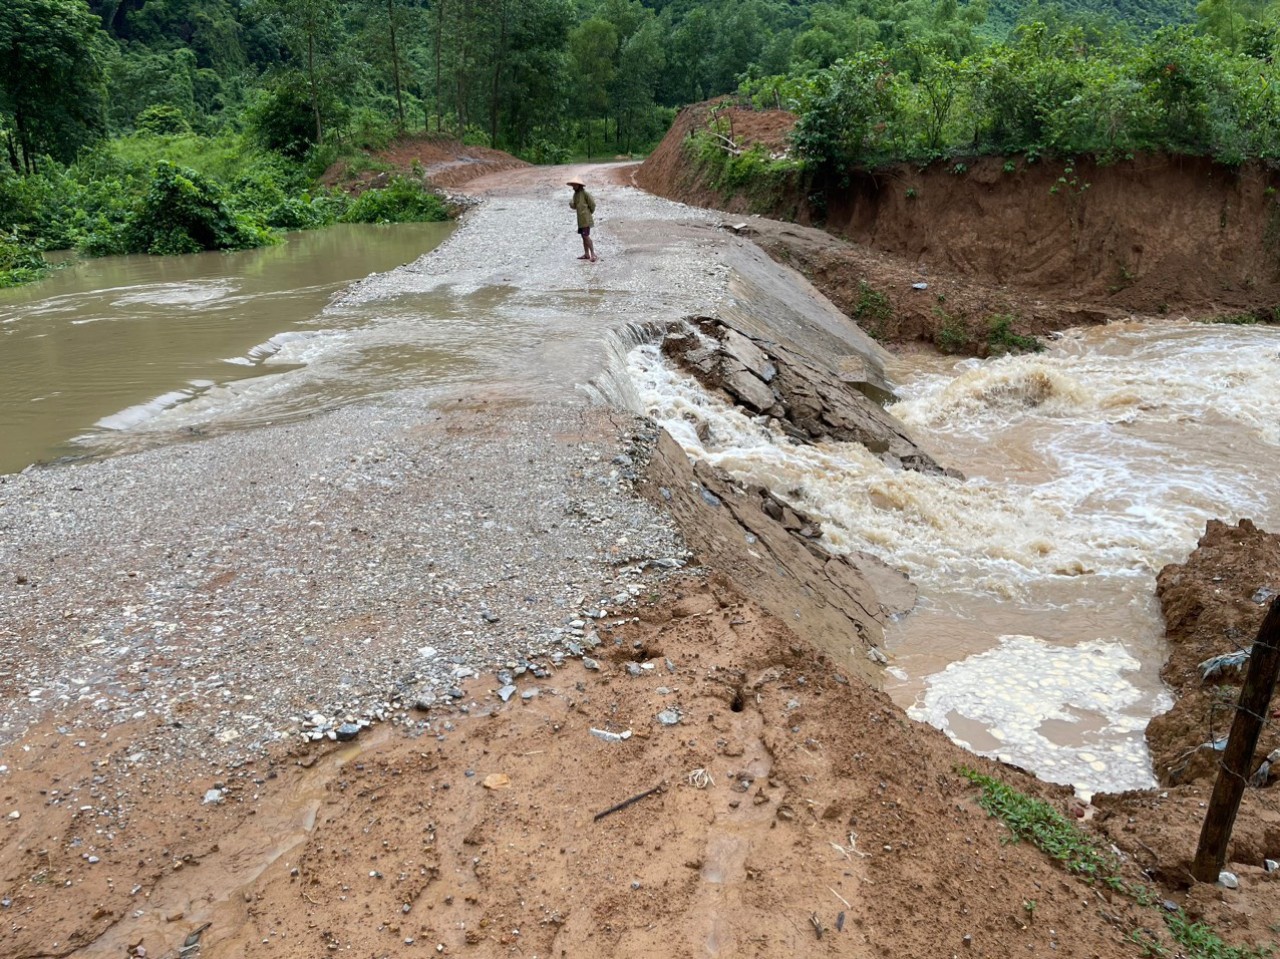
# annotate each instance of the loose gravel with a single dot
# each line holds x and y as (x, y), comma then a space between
(279, 583)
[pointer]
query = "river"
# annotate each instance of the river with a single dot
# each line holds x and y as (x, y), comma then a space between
(1037, 637)
(102, 347)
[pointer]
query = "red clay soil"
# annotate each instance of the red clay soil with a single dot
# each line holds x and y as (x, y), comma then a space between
(441, 161)
(670, 171)
(1213, 605)
(796, 813)
(1154, 235)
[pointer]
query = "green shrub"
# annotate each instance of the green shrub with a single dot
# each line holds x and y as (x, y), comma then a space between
(872, 311)
(163, 120)
(1001, 339)
(183, 212)
(753, 172)
(402, 200)
(952, 335)
(19, 263)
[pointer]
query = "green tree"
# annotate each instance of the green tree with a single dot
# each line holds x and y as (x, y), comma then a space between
(592, 47)
(312, 34)
(848, 114)
(51, 90)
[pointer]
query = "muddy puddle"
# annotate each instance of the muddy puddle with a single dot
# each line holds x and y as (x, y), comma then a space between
(104, 346)
(1037, 637)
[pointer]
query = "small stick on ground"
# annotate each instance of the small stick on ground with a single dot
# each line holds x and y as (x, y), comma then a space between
(628, 802)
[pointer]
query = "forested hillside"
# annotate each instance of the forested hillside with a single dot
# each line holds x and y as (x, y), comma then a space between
(126, 121)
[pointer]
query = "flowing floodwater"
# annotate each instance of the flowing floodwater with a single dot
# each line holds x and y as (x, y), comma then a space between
(104, 346)
(1037, 636)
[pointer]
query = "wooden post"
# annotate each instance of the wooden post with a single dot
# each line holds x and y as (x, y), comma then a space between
(1237, 760)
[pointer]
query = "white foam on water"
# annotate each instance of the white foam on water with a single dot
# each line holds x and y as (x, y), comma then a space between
(134, 416)
(1123, 373)
(1103, 459)
(1014, 689)
(294, 348)
(299, 348)
(973, 535)
(192, 293)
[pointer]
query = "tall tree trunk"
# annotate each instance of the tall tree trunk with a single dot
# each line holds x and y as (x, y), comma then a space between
(498, 58)
(24, 142)
(311, 79)
(439, 40)
(462, 89)
(395, 62)
(12, 146)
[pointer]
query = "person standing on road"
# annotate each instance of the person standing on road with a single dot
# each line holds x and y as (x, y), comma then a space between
(585, 205)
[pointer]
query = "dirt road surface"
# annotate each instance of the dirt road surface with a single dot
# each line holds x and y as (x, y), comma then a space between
(572, 739)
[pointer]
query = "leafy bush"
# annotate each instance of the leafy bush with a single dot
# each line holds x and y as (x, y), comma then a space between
(162, 119)
(752, 172)
(953, 335)
(19, 263)
(183, 212)
(1001, 339)
(402, 200)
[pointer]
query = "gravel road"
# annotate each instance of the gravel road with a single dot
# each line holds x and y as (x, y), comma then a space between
(267, 583)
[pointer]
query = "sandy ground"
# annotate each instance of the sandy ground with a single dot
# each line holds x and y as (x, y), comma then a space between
(494, 589)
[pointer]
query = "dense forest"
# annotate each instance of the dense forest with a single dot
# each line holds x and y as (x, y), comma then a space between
(125, 122)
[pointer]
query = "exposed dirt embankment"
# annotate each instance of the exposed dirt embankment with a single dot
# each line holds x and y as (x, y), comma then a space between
(440, 161)
(1051, 242)
(1213, 605)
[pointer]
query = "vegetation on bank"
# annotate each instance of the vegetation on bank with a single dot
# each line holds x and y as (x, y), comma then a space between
(1036, 822)
(257, 98)
(1049, 89)
(181, 193)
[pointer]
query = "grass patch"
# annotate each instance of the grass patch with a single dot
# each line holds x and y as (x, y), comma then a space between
(1199, 941)
(872, 310)
(1035, 821)
(952, 335)
(1001, 338)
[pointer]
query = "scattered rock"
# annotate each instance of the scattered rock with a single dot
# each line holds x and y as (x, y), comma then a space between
(213, 797)
(347, 732)
(506, 692)
(1228, 880)
(497, 781)
(669, 717)
(611, 737)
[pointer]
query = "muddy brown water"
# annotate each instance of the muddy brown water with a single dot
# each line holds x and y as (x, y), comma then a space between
(103, 345)
(1037, 636)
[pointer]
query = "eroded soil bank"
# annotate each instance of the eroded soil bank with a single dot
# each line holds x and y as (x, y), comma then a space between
(1049, 243)
(494, 584)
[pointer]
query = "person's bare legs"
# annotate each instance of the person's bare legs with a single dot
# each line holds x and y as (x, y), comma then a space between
(590, 246)
(586, 246)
